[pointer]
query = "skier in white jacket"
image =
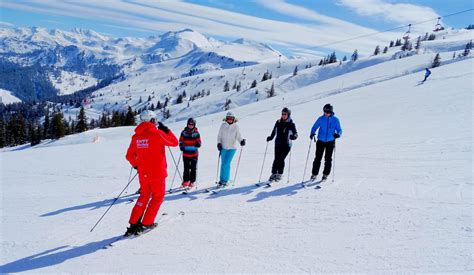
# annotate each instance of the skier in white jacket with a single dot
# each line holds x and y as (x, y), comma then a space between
(227, 138)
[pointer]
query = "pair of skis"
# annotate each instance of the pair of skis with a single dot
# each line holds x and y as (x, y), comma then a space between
(310, 183)
(164, 220)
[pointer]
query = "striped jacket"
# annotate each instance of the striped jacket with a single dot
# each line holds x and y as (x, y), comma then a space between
(189, 142)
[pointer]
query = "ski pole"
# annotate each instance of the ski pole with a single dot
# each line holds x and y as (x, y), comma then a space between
(129, 176)
(175, 171)
(334, 166)
(177, 168)
(218, 163)
(289, 168)
(263, 164)
(306, 164)
(237, 168)
(130, 181)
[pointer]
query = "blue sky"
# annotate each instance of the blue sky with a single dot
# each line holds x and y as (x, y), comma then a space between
(294, 27)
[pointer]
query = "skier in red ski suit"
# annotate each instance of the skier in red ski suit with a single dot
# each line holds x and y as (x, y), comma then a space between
(147, 154)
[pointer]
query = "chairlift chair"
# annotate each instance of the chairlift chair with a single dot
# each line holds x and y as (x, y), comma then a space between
(438, 26)
(406, 36)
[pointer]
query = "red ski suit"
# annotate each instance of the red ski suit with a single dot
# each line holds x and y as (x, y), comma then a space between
(147, 152)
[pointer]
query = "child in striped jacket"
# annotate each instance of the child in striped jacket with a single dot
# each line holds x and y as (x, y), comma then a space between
(189, 142)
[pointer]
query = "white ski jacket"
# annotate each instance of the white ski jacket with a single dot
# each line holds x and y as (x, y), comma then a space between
(228, 135)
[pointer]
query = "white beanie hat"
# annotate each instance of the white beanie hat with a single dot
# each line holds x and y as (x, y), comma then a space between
(147, 115)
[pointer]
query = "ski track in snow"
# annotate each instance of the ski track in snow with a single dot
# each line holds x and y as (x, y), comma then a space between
(401, 201)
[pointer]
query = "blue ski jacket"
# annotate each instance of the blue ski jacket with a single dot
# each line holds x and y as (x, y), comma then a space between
(328, 126)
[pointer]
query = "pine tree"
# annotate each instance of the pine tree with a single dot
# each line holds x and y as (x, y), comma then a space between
(103, 121)
(254, 84)
(406, 45)
(116, 121)
(226, 86)
(179, 100)
(265, 76)
(46, 125)
(436, 61)
(344, 58)
(295, 70)
(467, 49)
(355, 55)
(271, 92)
(385, 50)
(158, 105)
(332, 58)
(320, 62)
(239, 86)
(235, 85)
(130, 117)
(377, 50)
(391, 43)
(398, 43)
(3, 132)
(57, 124)
(418, 43)
(432, 37)
(81, 121)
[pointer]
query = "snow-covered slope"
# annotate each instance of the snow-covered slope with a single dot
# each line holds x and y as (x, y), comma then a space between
(401, 200)
(6, 97)
(91, 57)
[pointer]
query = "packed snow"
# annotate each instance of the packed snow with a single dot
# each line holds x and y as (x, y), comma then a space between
(6, 97)
(401, 199)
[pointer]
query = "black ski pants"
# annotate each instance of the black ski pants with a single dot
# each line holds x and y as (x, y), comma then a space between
(322, 147)
(280, 155)
(189, 173)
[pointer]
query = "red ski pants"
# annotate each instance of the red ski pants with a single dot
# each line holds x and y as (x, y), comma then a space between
(151, 196)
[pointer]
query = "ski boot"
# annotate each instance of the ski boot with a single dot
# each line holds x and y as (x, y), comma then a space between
(185, 184)
(134, 229)
(272, 177)
(278, 177)
(325, 177)
(313, 177)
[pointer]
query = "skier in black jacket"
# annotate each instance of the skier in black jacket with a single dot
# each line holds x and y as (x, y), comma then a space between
(285, 131)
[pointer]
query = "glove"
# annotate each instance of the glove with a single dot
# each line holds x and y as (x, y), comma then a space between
(163, 128)
(242, 143)
(336, 135)
(135, 167)
(311, 136)
(219, 146)
(294, 136)
(181, 147)
(269, 138)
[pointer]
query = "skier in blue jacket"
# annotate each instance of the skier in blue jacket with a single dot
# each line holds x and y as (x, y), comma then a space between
(329, 129)
(427, 74)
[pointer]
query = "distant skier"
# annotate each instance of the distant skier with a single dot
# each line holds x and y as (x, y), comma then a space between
(146, 153)
(229, 135)
(285, 131)
(427, 74)
(189, 142)
(329, 130)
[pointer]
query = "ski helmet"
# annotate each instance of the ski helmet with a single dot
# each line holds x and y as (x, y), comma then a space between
(328, 108)
(230, 114)
(192, 121)
(147, 115)
(286, 110)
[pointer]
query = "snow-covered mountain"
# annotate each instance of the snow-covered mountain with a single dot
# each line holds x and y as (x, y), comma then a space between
(401, 200)
(91, 57)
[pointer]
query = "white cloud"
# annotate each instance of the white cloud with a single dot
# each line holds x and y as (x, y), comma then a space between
(174, 15)
(5, 23)
(402, 13)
